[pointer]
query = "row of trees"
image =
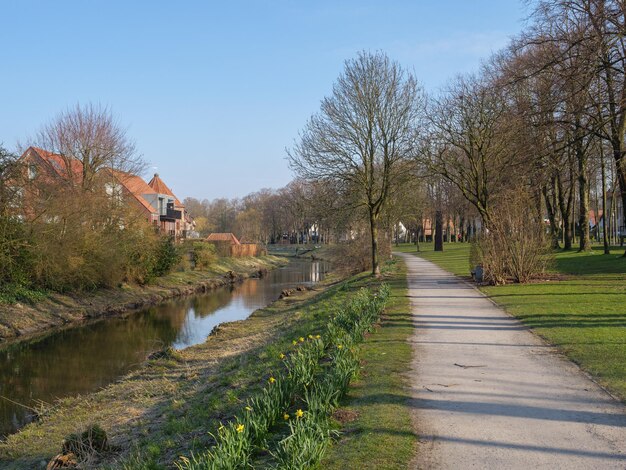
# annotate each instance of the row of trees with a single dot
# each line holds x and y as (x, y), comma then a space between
(540, 127)
(545, 116)
(301, 212)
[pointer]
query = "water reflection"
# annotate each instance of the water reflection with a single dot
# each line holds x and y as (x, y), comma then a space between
(84, 359)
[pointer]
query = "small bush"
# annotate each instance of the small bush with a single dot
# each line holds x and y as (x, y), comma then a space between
(515, 247)
(203, 255)
(166, 257)
(92, 440)
(355, 255)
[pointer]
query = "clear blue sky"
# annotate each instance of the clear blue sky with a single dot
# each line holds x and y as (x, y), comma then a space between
(213, 92)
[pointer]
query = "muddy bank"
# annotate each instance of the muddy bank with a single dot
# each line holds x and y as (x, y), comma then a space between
(24, 321)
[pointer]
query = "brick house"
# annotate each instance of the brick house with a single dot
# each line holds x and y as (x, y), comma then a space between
(174, 218)
(155, 200)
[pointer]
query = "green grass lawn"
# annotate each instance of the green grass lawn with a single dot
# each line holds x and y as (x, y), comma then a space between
(584, 315)
(454, 258)
(592, 264)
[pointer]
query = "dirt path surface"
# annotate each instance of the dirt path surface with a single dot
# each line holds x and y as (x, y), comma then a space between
(490, 394)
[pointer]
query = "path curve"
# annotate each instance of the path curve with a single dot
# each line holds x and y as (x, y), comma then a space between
(490, 394)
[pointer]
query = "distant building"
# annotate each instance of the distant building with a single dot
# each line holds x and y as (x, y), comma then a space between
(227, 244)
(229, 238)
(154, 200)
(137, 190)
(51, 167)
(173, 217)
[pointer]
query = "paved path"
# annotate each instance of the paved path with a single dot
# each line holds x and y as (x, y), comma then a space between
(489, 394)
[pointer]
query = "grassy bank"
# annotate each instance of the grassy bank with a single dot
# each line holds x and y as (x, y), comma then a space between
(583, 314)
(26, 320)
(377, 431)
(168, 407)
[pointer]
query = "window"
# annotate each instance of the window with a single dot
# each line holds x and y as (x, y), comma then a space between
(32, 172)
(114, 191)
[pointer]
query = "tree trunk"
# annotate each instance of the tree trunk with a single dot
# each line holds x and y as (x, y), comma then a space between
(621, 177)
(605, 235)
(565, 207)
(462, 227)
(583, 188)
(554, 232)
(567, 233)
(438, 231)
(374, 233)
(397, 233)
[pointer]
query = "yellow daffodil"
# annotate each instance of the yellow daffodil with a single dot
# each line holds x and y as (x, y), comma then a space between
(272, 380)
(339, 346)
(285, 416)
(301, 339)
(248, 408)
(294, 342)
(240, 428)
(310, 336)
(299, 413)
(282, 356)
(317, 336)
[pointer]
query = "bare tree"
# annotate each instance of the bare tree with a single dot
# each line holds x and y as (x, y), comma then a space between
(601, 43)
(90, 135)
(363, 135)
(469, 143)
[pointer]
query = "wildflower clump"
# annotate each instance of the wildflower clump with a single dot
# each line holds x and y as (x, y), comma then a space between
(315, 377)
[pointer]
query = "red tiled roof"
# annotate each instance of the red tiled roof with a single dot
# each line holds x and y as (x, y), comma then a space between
(223, 237)
(136, 186)
(64, 167)
(160, 187)
(134, 183)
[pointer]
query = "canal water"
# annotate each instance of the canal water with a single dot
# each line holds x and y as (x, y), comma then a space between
(89, 357)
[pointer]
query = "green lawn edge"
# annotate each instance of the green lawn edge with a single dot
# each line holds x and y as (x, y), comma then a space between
(381, 436)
